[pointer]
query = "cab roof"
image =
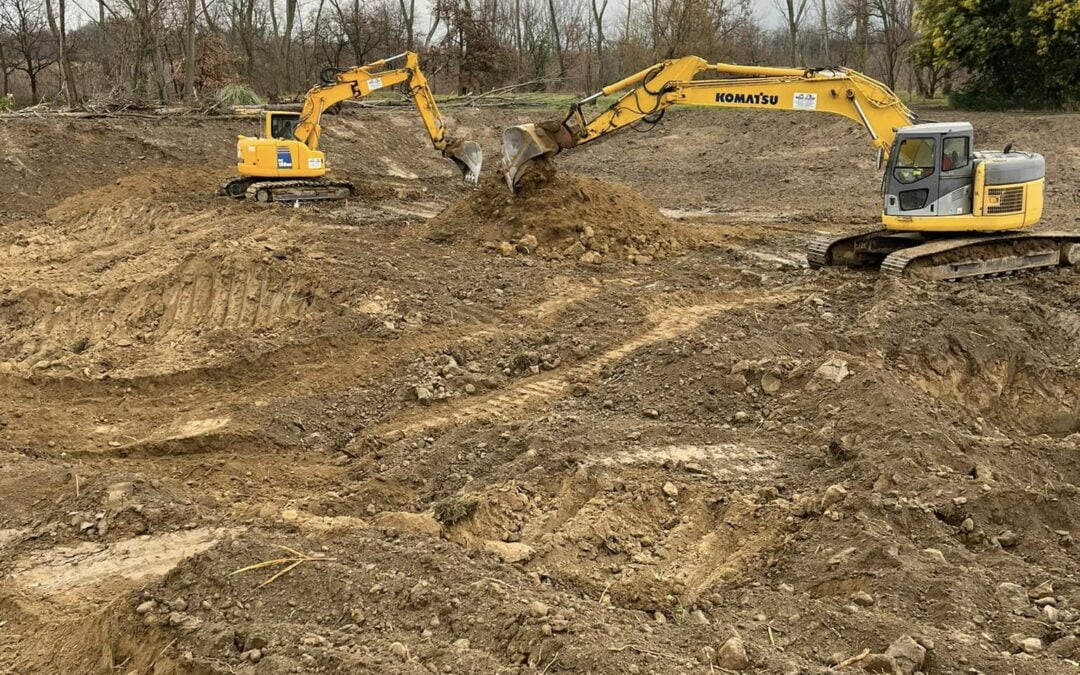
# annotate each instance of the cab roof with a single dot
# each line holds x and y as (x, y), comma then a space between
(936, 128)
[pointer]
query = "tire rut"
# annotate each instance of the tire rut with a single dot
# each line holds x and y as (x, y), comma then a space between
(670, 323)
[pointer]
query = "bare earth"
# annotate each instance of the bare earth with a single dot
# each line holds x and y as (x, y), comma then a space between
(613, 426)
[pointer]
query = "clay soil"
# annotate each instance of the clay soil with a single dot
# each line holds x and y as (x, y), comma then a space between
(614, 426)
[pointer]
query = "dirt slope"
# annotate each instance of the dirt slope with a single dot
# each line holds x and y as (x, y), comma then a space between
(648, 441)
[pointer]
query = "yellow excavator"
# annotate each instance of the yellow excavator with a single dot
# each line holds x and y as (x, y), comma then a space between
(949, 212)
(285, 164)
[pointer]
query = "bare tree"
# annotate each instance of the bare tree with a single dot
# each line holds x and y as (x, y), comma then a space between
(598, 8)
(794, 12)
(7, 65)
(408, 18)
(24, 21)
(58, 27)
(823, 10)
(897, 35)
(557, 38)
(189, 53)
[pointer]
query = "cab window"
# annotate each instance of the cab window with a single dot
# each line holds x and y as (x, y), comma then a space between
(915, 160)
(954, 153)
(284, 126)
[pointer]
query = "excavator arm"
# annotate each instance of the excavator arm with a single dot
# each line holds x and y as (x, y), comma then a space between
(650, 92)
(360, 81)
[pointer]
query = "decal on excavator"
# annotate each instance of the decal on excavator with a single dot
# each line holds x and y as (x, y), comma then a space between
(284, 158)
(801, 101)
(755, 99)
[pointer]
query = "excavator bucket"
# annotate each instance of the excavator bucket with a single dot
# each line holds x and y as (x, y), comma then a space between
(469, 157)
(521, 146)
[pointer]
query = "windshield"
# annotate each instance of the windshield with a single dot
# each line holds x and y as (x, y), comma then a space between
(914, 160)
(284, 126)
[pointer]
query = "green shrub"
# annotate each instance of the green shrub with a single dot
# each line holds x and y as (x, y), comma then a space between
(7, 102)
(237, 94)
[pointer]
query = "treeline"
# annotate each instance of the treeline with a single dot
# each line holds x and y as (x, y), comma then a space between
(165, 51)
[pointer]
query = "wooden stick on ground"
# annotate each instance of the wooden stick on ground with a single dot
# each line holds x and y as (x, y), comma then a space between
(291, 564)
(854, 659)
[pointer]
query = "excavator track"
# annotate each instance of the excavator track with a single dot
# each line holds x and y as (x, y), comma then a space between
(235, 187)
(856, 250)
(984, 256)
(268, 191)
(914, 254)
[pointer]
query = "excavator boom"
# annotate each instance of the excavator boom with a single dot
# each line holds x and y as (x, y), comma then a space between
(650, 92)
(361, 81)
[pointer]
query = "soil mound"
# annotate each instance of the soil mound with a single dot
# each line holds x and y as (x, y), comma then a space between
(566, 214)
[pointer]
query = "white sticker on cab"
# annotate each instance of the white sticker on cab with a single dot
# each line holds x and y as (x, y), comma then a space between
(314, 163)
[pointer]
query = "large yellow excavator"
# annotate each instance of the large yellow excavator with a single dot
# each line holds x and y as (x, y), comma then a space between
(949, 212)
(285, 164)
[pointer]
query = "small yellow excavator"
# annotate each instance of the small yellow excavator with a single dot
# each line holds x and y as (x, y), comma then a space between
(286, 163)
(949, 212)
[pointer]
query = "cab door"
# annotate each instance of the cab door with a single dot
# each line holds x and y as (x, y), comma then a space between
(912, 180)
(957, 170)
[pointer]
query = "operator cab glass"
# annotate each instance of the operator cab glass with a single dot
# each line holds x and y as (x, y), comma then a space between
(282, 125)
(915, 159)
(955, 153)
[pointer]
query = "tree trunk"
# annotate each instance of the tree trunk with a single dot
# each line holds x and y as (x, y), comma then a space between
(558, 39)
(598, 20)
(408, 14)
(862, 33)
(517, 28)
(290, 22)
(793, 33)
(32, 76)
(825, 31)
(189, 63)
(434, 27)
(56, 19)
(7, 73)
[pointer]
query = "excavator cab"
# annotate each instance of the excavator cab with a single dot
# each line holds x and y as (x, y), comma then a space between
(936, 182)
(930, 171)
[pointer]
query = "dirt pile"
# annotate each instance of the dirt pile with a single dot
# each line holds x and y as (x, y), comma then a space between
(566, 215)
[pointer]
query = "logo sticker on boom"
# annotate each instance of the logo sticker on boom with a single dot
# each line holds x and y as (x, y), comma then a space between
(284, 158)
(750, 99)
(374, 83)
(804, 101)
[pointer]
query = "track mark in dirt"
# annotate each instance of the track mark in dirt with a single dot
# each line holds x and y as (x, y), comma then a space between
(187, 437)
(670, 323)
(564, 294)
(59, 570)
(207, 295)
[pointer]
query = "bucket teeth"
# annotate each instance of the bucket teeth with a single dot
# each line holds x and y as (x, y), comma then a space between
(469, 158)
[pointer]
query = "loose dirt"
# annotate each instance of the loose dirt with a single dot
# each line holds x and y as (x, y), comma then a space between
(612, 426)
(566, 213)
